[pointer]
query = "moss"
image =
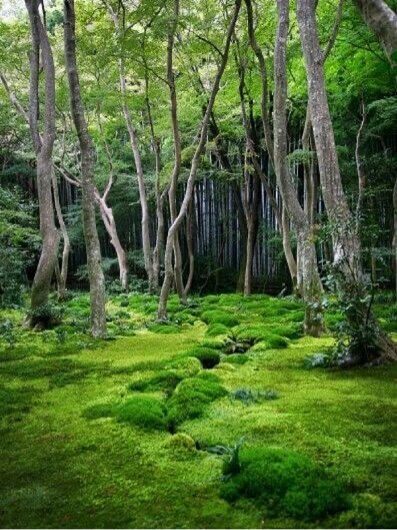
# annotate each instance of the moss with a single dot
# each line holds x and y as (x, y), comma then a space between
(165, 380)
(164, 328)
(207, 356)
(214, 330)
(100, 410)
(237, 358)
(287, 483)
(185, 366)
(253, 334)
(143, 411)
(182, 442)
(369, 511)
(191, 398)
(215, 316)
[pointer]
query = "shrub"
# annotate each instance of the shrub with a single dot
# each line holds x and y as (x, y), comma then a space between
(287, 483)
(142, 411)
(369, 511)
(207, 356)
(192, 396)
(214, 330)
(214, 316)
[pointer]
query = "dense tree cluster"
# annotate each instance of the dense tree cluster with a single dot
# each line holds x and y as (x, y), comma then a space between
(201, 145)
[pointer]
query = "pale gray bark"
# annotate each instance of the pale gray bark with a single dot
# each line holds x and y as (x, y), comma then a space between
(383, 22)
(63, 273)
(311, 284)
(95, 272)
(347, 255)
(162, 310)
(43, 144)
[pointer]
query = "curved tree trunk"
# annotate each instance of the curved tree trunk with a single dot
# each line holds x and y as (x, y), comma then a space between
(311, 284)
(43, 147)
(383, 22)
(347, 255)
(95, 272)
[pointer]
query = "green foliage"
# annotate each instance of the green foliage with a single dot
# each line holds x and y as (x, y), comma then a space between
(46, 316)
(286, 483)
(248, 396)
(230, 456)
(186, 366)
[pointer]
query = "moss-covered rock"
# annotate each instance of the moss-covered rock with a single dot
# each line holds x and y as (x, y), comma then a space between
(182, 442)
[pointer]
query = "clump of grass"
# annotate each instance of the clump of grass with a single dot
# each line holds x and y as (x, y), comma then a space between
(286, 483)
(143, 411)
(192, 396)
(215, 316)
(214, 330)
(207, 356)
(182, 442)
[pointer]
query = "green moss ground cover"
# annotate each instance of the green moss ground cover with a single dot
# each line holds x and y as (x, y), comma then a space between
(119, 433)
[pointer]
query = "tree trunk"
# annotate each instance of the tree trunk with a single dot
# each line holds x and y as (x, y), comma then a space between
(383, 22)
(347, 255)
(162, 310)
(63, 273)
(311, 284)
(43, 146)
(95, 273)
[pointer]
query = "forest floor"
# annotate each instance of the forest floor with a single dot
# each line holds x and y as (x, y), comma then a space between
(136, 432)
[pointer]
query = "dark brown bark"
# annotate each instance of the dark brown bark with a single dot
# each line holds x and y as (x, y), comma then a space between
(95, 273)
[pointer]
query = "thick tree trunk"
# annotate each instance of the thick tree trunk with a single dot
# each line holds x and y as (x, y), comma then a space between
(43, 147)
(347, 255)
(311, 284)
(95, 273)
(162, 310)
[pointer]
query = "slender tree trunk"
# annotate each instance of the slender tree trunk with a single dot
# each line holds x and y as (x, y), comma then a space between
(43, 147)
(347, 255)
(395, 232)
(63, 273)
(190, 247)
(311, 284)
(95, 273)
(289, 256)
(162, 310)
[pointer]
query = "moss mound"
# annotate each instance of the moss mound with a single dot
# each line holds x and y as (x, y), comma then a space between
(215, 316)
(182, 442)
(214, 330)
(192, 396)
(286, 483)
(165, 380)
(143, 411)
(252, 334)
(164, 328)
(185, 366)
